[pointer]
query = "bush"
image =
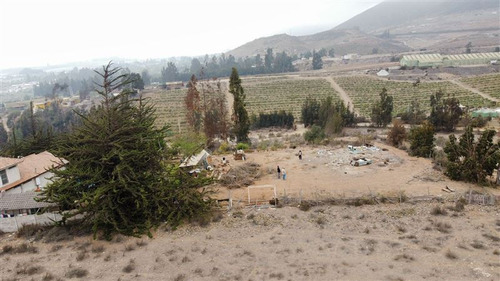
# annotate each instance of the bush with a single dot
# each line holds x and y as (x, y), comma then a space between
(397, 134)
(314, 135)
(242, 146)
(422, 140)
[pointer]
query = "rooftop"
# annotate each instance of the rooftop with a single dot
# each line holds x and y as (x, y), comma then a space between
(20, 201)
(34, 165)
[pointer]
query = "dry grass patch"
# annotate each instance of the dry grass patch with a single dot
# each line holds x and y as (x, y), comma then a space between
(404, 257)
(30, 270)
(451, 255)
(129, 267)
(76, 273)
(442, 227)
(478, 245)
(438, 211)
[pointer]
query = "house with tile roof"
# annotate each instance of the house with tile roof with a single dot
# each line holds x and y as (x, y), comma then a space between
(29, 173)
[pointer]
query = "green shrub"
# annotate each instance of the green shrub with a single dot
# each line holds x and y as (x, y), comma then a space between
(242, 146)
(314, 135)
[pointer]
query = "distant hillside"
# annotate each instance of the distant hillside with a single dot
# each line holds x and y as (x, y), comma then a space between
(412, 25)
(391, 14)
(343, 41)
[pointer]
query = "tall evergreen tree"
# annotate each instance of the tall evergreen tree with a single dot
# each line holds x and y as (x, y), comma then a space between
(240, 115)
(116, 179)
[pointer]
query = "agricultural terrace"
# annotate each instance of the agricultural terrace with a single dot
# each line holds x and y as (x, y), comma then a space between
(288, 94)
(170, 108)
(364, 92)
(488, 84)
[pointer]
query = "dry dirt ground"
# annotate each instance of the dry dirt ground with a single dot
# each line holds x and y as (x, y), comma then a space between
(394, 241)
(382, 242)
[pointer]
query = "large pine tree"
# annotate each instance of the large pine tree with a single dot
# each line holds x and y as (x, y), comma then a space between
(240, 116)
(116, 178)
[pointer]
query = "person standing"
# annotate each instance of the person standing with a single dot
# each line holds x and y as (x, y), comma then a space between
(300, 154)
(284, 173)
(279, 172)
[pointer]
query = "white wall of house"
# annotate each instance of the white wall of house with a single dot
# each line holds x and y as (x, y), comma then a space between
(12, 175)
(31, 184)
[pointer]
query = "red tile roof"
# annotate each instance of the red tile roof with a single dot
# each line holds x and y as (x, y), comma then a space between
(34, 165)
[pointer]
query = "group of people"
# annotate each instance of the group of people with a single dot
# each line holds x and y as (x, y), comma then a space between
(282, 171)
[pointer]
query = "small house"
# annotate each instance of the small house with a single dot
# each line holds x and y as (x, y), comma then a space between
(30, 173)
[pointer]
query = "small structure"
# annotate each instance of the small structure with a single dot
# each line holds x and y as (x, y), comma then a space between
(485, 113)
(14, 204)
(30, 173)
(174, 85)
(383, 73)
(197, 161)
(239, 154)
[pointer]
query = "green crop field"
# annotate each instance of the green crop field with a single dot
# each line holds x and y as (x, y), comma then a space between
(488, 84)
(364, 92)
(288, 94)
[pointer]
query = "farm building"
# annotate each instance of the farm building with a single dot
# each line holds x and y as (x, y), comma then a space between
(436, 60)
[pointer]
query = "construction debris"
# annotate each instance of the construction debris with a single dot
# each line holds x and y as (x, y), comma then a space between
(241, 176)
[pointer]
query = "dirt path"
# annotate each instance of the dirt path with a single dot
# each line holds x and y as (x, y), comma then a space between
(476, 91)
(343, 95)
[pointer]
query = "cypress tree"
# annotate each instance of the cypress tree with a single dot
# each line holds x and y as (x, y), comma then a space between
(240, 115)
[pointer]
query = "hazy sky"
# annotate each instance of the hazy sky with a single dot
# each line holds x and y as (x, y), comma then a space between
(41, 32)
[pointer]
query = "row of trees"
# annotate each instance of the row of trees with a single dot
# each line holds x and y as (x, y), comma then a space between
(274, 119)
(222, 66)
(445, 113)
(207, 110)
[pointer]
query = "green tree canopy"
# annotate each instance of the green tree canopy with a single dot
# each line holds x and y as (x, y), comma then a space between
(317, 62)
(445, 113)
(422, 140)
(382, 110)
(469, 160)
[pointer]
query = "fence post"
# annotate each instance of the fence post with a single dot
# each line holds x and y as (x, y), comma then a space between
(470, 195)
(230, 200)
(300, 196)
(17, 226)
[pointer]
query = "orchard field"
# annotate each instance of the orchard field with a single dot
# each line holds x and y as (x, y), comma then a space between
(364, 92)
(488, 84)
(286, 94)
(267, 94)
